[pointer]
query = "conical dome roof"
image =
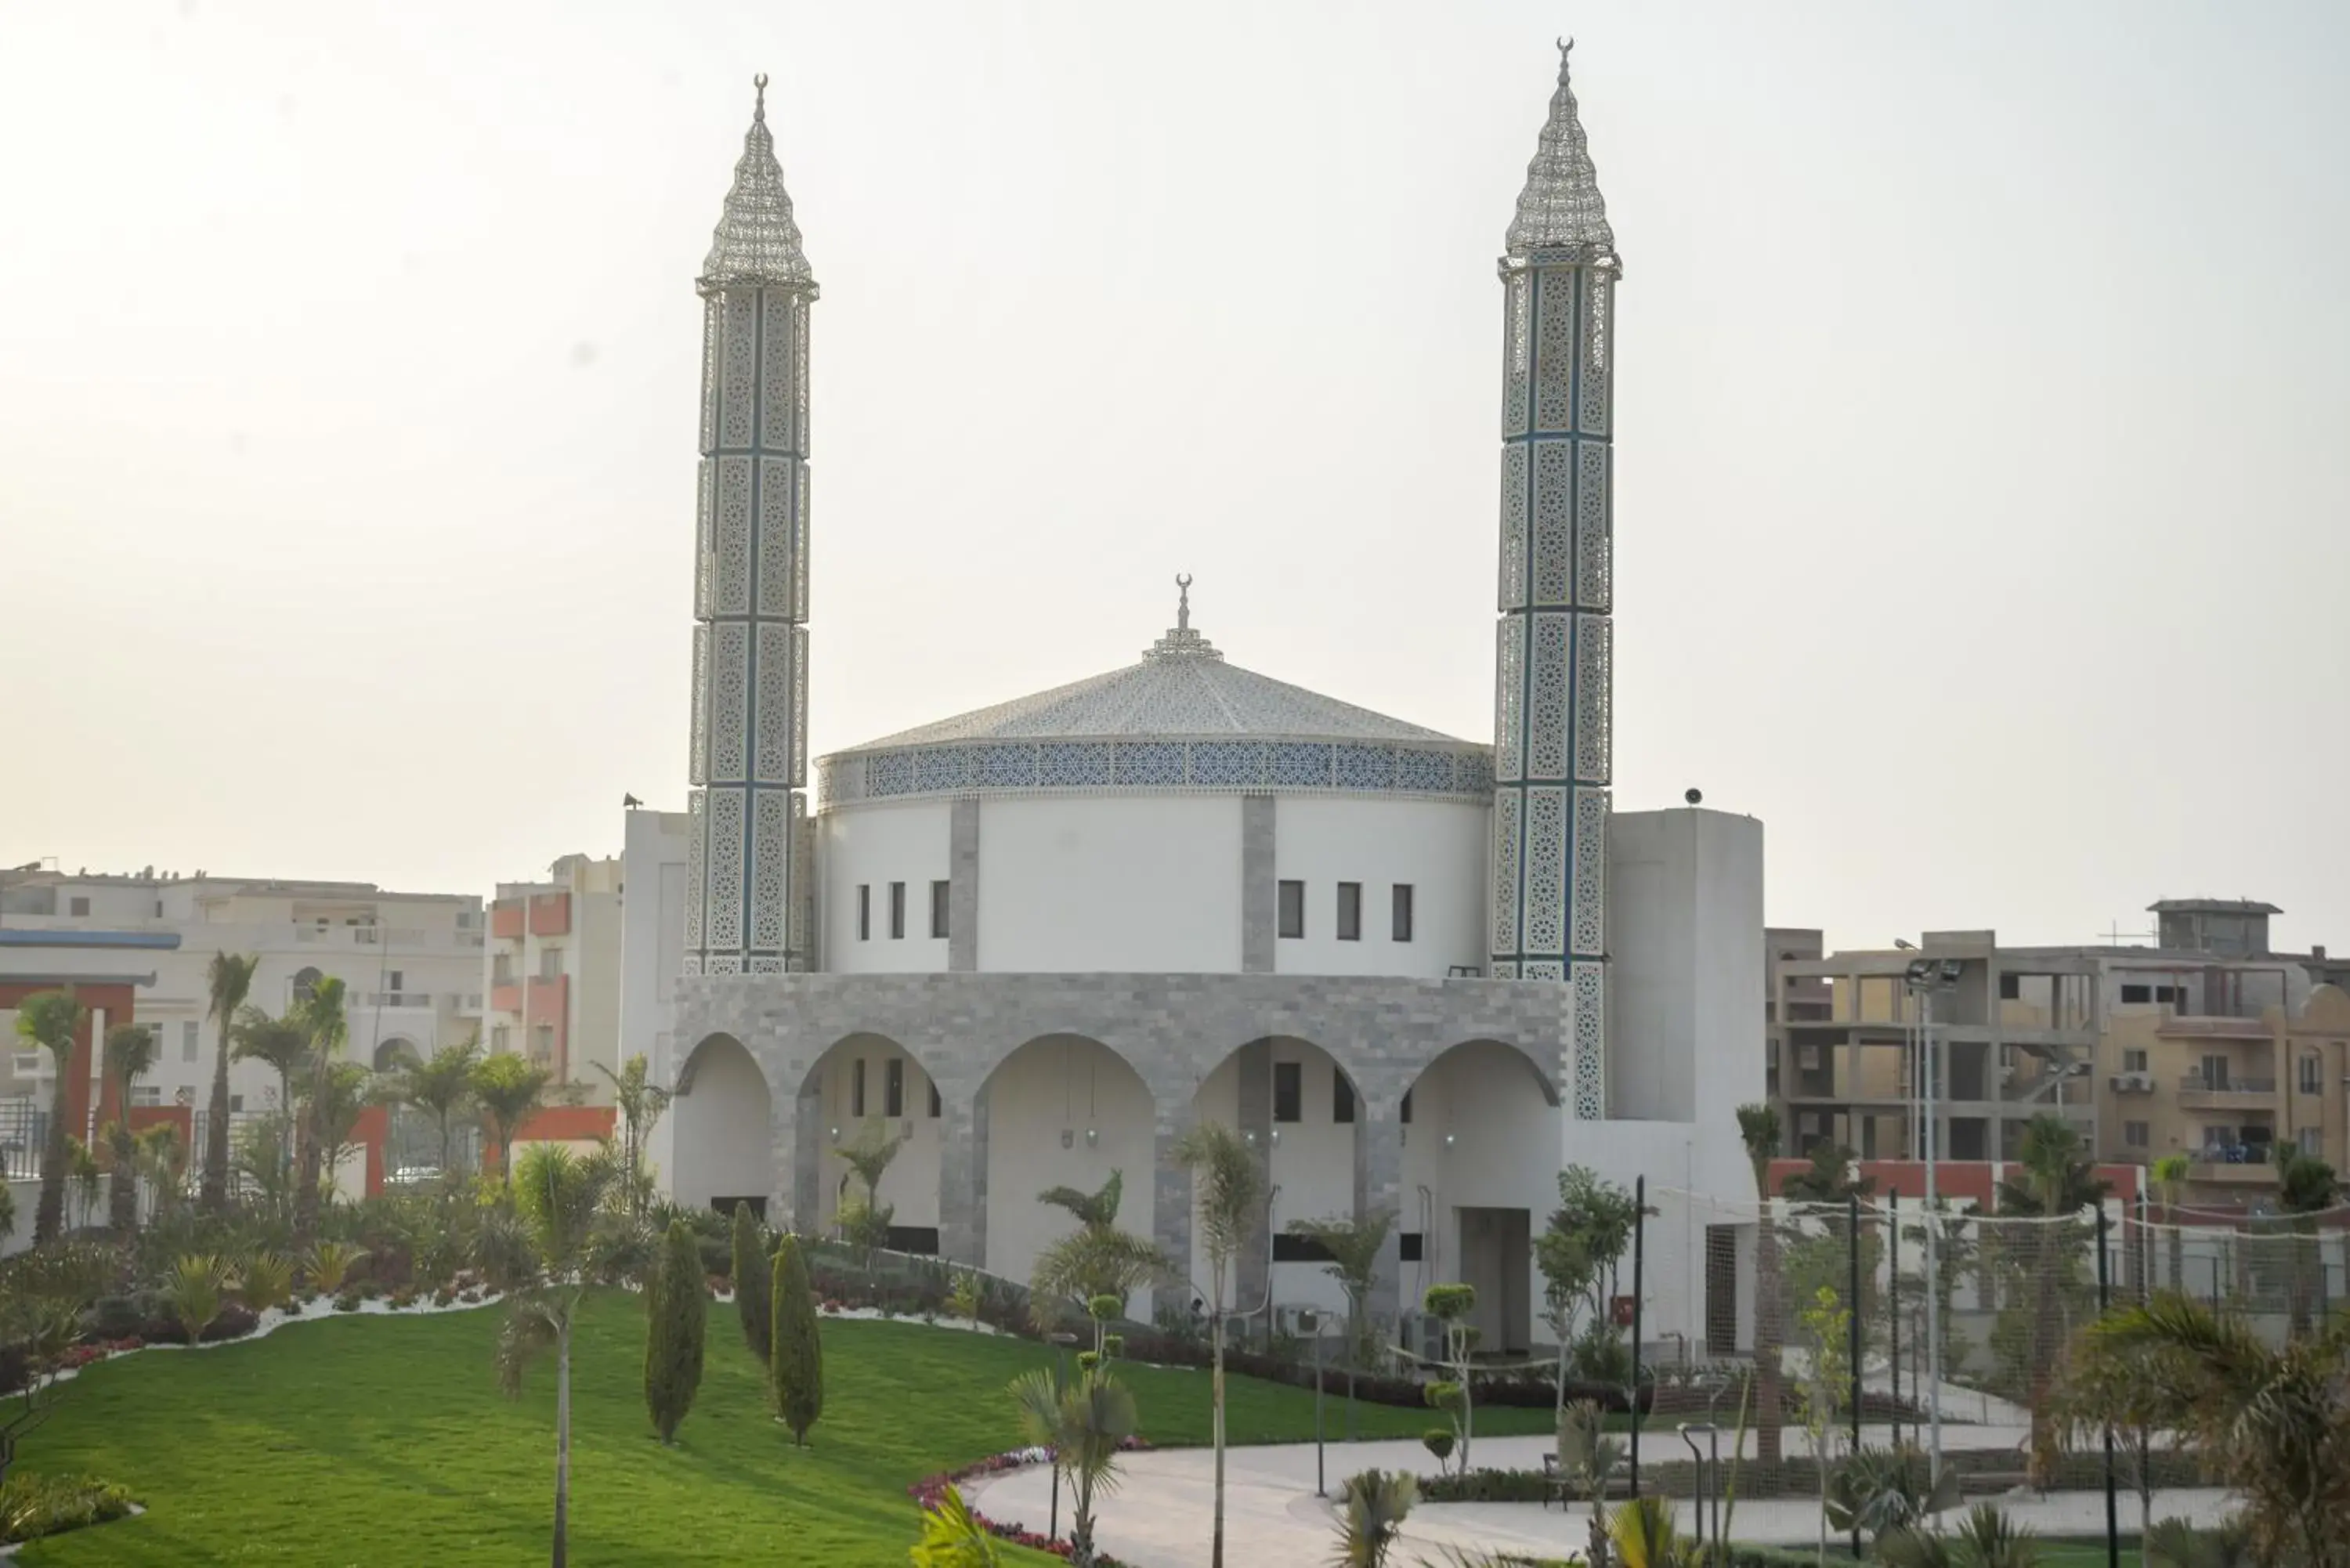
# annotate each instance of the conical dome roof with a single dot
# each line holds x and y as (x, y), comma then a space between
(757, 241)
(1560, 207)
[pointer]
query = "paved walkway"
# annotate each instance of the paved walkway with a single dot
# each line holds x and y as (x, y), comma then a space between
(1159, 1517)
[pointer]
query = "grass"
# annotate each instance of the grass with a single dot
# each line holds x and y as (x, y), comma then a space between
(383, 1440)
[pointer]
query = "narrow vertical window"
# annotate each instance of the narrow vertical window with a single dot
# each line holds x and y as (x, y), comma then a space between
(939, 909)
(935, 1107)
(1350, 911)
(857, 1087)
(896, 912)
(1293, 909)
(1342, 1096)
(1402, 913)
(1288, 1091)
(1407, 1108)
(893, 1087)
(865, 911)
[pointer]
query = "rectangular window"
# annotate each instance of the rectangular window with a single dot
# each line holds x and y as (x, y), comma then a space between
(920, 1240)
(541, 1045)
(864, 911)
(1288, 1091)
(2169, 994)
(893, 1087)
(857, 1087)
(1350, 911)
(235, 1104)
(188, 1048)
(146, 1094)
(1342, 1097)
(2215, 1072)
(935, 1107)
(550, 963)
(2134, 1061)
(395, 979)
(939, 894)
(502, 969)
(2010, 987)
(500, 1038)
(2138, 1134)
(2308, 1074)
(1293, 909)
(2313, 1140)
(896, 912)
(2136, 995)
(1290, 1249)
(1407, 1247)
(1407, 1108)
(1402, 916)
(77, 905)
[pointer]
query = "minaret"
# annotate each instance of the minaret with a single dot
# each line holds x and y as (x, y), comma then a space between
(749, 860)
(1551, 768)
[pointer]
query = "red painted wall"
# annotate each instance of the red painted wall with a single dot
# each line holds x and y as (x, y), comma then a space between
(116, 1000)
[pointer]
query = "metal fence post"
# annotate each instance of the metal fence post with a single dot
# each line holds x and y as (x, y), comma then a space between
(2105, 1300)
(1639, 1239)
(1853, 1316)
(1893, 1305)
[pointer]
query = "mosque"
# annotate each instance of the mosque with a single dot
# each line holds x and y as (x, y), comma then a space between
(1038, 942)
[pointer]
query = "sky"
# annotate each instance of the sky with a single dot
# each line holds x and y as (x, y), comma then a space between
(1980, 484)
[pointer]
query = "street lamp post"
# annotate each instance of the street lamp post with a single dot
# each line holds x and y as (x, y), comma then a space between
(1312, 1322)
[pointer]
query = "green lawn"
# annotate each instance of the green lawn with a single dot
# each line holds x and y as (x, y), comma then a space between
(383, 1440)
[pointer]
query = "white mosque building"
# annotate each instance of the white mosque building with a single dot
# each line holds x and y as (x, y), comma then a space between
(1038, 942)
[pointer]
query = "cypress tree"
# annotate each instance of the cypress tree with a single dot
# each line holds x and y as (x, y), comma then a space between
(796, 1370)
(752, 1300)
(677, 1312)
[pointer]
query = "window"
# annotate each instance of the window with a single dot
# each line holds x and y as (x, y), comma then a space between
(857, 1087)
(1407, 1247)
(500, 1038)
(1342, 1096)
(306, 982)
(146, 1094)
(2219, 1137)
(2010, 987)
(394, 979)
(542, 1044)
(235, 1104)
(896, 912)
(188, 1028)
(78, 906)
(920, 1241)
(2134, 1061)
(1293, 909)
(1402, 901)
(502, 969)
(2309, 1073)
(864, 911)
(2136, 995)
(1407, 1108)
(1350, 911)
(2215, 1072)
(1293, 1248)
(1288, 1091)
(938, 895)
(550, 963)
(893, 1087)
(2138, 1134)
(935, 1107)
(2313, 1140)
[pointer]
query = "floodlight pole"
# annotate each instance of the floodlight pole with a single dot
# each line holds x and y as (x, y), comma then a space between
(1933, 1218)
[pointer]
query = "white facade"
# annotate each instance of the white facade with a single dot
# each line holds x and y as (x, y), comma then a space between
(410, 964)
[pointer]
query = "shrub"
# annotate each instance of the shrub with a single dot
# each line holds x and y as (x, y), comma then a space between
(1438, 1440)
(232, 1321)
(677, 1314)
(34, 1506)
(444, 1296)
(347, 1301)
(266, 1281)
(196, 1286)
(328, 1265)
(796, 1364)
(753, 1301)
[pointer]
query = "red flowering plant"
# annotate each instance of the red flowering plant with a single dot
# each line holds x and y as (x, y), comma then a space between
(927, 1491)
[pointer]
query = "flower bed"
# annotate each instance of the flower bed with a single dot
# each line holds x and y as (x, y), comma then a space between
(927, 1491)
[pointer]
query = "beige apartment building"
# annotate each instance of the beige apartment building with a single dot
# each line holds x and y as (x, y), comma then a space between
(2206, 1043)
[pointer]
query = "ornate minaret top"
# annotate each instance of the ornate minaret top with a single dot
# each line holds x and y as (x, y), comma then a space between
(756, 242)
(1561, 208)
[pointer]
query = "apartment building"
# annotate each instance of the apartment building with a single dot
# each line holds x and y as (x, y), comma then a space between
(552, 972)
(2207, 1043)
(410, 963)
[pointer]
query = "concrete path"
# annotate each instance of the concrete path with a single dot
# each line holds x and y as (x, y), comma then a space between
(1158, 1516)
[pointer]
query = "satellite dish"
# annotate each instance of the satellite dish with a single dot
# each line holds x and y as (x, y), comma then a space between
(1692, 795)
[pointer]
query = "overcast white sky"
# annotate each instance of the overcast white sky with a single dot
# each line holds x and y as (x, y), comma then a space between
(1982, 491)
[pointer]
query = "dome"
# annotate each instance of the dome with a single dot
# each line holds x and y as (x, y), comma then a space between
(1183, 719)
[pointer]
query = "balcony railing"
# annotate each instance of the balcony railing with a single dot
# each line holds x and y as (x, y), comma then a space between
(397, 999)
(2199, 1083)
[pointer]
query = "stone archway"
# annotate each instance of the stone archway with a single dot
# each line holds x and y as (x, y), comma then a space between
(1473, 1199)
(868, 1088)
(722, 1121)
(1060, 1110)
(396, 1055)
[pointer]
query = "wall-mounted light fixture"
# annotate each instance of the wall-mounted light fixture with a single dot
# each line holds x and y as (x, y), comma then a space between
(1093, 1137)
(1068, 1138)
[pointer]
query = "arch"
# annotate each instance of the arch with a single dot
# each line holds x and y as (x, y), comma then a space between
(397, 1053)
(723, 1129)
(870, 1087)
(1063, 1109)
(306, 982)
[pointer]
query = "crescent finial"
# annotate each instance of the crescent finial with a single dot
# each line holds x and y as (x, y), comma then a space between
(759, 112)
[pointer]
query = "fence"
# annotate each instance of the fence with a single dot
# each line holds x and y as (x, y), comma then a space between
(23, 1133)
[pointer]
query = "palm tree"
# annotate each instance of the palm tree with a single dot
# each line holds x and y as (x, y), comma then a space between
(640, 1103)
(2058, 1182)
(284, 1045)
(327, 1029)
(1229, 1189)
(228, 978)
(1083, 1424)
(48, 1020)
(2170, 1175)
(1758, 1126)
(867, 1227)
(83, 1171)
(157, 1154)
(560, 1197)
(1097, 1259)
(2273, 1425)
(130, 1053)
(442, 1086)
(338, 1097)
(2306, 1187)
(1371, 1515)
(1353, 1247)
(510, 1091)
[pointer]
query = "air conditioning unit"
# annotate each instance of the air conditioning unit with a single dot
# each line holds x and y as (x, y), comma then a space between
(1298, 1322)
(1424, 1335)
(2134, 1082)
